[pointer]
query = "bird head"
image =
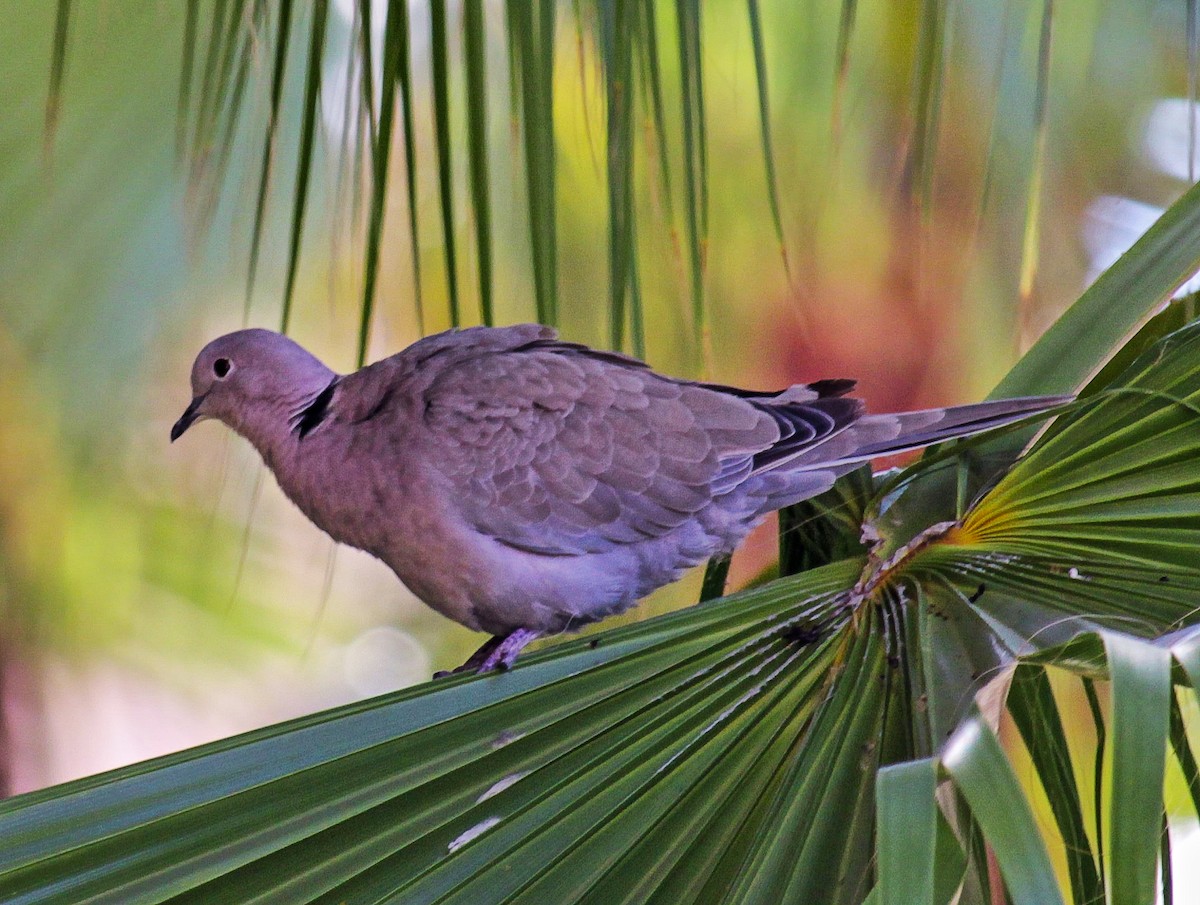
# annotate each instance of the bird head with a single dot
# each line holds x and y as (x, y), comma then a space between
(252, 381)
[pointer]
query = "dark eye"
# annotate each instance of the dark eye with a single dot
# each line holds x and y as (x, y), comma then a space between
(221, 367)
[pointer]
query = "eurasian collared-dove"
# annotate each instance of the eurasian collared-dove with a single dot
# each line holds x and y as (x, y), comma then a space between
(522, 485)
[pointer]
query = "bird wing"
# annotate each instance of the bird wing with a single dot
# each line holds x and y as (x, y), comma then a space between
(558, 449)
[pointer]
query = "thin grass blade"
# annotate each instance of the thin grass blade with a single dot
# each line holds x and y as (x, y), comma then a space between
(282, 36)
(1033, 205)
(928, 64)
(695, 176)
(308, 133)
(475, 65)
(439, 42)
(531, 26)
(222, 49)
(405, 78)
(651, 80)
(395, 57)
(58, 71)
(764, 119)
(366, 50)
(190, 27)
(845, 35)
(617, 30)
(1193, 67)
(230, 118)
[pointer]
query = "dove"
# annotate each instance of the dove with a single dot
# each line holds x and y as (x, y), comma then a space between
(525, 486)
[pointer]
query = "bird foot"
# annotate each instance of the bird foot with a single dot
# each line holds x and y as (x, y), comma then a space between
(498, 653)
(504, 655)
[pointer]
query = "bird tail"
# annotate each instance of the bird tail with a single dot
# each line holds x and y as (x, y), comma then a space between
(872, 436)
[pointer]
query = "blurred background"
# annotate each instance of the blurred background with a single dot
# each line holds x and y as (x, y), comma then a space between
(944, 179)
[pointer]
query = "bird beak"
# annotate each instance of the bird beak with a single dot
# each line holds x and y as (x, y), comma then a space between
(189, 417)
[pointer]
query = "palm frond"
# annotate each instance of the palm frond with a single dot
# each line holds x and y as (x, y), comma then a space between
(732, 751)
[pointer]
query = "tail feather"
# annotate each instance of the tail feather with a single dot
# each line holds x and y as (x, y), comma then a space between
(923, 428)
(872, 436)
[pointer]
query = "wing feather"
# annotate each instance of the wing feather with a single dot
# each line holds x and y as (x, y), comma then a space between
(559, 449)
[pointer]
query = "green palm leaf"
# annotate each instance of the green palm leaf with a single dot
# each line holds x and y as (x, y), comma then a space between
(442, 790)
(729, 752)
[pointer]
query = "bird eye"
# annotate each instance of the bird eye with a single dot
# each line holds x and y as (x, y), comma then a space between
(221, 367)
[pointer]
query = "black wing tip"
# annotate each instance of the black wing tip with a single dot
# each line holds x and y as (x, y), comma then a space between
(807, 424)
(832, 387)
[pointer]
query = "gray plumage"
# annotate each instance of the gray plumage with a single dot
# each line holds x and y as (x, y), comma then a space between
(522, 485)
